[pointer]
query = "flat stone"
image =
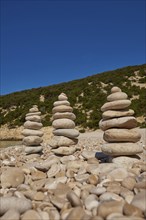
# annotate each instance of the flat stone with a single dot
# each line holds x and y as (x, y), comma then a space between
(33, 113)
(129, 182)
(116, 105)
(64, 123)
(34, 149)
(123, 122)
(63, 102)
(57, 201)
(34, 109)
(55, 168)
(46, 164)
(68, 115)
(39, 196)
(32, 140)
(108, 196)
(91, 202)
(117, 96)
(81, 177)
(64, 150)
(37, 174)
(33, 125)
(108, 207)
(52, 183)
(88, 154)
(73, 199)
(98, 190)
(20, 205)
(62, 108)
(70, 133)
(116, 114)
(11, 214)
(118, 174)
(119, 149)
(121, 135)
(139, 200)
(125, 161)
(76, 213)
(31, 214)
(12, 177)
(30, 132)
(131, 210)
(35, 118)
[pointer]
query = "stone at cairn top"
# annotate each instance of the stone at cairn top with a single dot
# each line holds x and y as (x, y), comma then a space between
(62, 97)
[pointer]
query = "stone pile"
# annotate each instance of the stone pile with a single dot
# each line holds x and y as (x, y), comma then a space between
(32, 133)
(119, 126)
(65, 135)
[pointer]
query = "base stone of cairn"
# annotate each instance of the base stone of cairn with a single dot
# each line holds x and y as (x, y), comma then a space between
(119, 126)
(65, 135)
(32, 133)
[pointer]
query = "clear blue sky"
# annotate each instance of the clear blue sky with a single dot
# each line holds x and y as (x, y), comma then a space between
(47, 42)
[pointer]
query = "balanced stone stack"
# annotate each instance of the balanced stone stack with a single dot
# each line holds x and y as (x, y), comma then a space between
(119, 126)
(32, 133)
(65, 135)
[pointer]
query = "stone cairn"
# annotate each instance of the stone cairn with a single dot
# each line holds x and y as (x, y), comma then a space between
(65, 134)
(32, 133)
(119, 126)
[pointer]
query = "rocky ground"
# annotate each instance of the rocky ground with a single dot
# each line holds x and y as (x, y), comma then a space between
(83, 186)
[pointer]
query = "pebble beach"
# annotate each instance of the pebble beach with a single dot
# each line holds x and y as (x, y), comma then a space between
(79, 186)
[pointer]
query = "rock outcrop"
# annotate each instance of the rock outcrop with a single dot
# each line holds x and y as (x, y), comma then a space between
(119, 126)
(32, 133)
(65, 134)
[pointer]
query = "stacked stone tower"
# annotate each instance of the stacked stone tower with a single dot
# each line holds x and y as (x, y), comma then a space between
(119, 126)
(65, 134)
(32, 133)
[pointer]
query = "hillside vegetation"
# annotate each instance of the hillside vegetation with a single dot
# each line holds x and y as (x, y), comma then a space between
(86, 96)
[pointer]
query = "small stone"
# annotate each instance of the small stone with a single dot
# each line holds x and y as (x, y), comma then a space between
(32, 140)
(62, 108)
(37, 175)
(81, 177)
(63, 123)
(39, 196)
(93, 179)
(115, 105)
(33, 125)
(58, 141)
(115, 89)
(118, 174)
(62, 97)
(70, 133)
(76, 213)
(68, 115)
(131, 210)
(64, 150)
(110, 196)
(63, 102)
(117, 96)
(11, 214)
(73, 199)
(57, 201)
(55, 168)
(129, 183)
(139, 200)
(30, 132)
(116, 114)
(88, 154)
(12, 177)
(33, 150)
(31, 214)
(35, 118)
(98, 190)
(91, 202)
(108, 207)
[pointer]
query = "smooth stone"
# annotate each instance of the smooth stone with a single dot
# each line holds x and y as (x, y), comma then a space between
(30, 132)
(131, 210)
(116, 114)
(62, 190)
(93, 179)
(31, 214)
(129, 182)
(115, 89)
(46, 164)
(39, 196)
(35, 118)
(34, 149)
(62, 97)
(108, 207)
(37, 174)
(11, 214)
(117, 96)
(70, 133)
(64, 150)
(73, 199)
(98, 190)
(20, 205)
(33, 125)
(32, 140)
(57, 103)
(118, 174)
(34, 109)
(12, 177)
(55, 168)
(33, 113)
(66, 159)
(91, 202)
(139, 200)
(81, 177)
(103, 157)
(123, 122)
(62, 108)
(52, 183)
(57, 201)
(125, 161)
(88, 154)
(108, 196)
(119, 149)
(76, 213)
(68, 115)
(121, 135)
(116, 105)
(64, 123)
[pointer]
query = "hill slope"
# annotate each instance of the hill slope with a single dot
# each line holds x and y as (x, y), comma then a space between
(86, 96)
